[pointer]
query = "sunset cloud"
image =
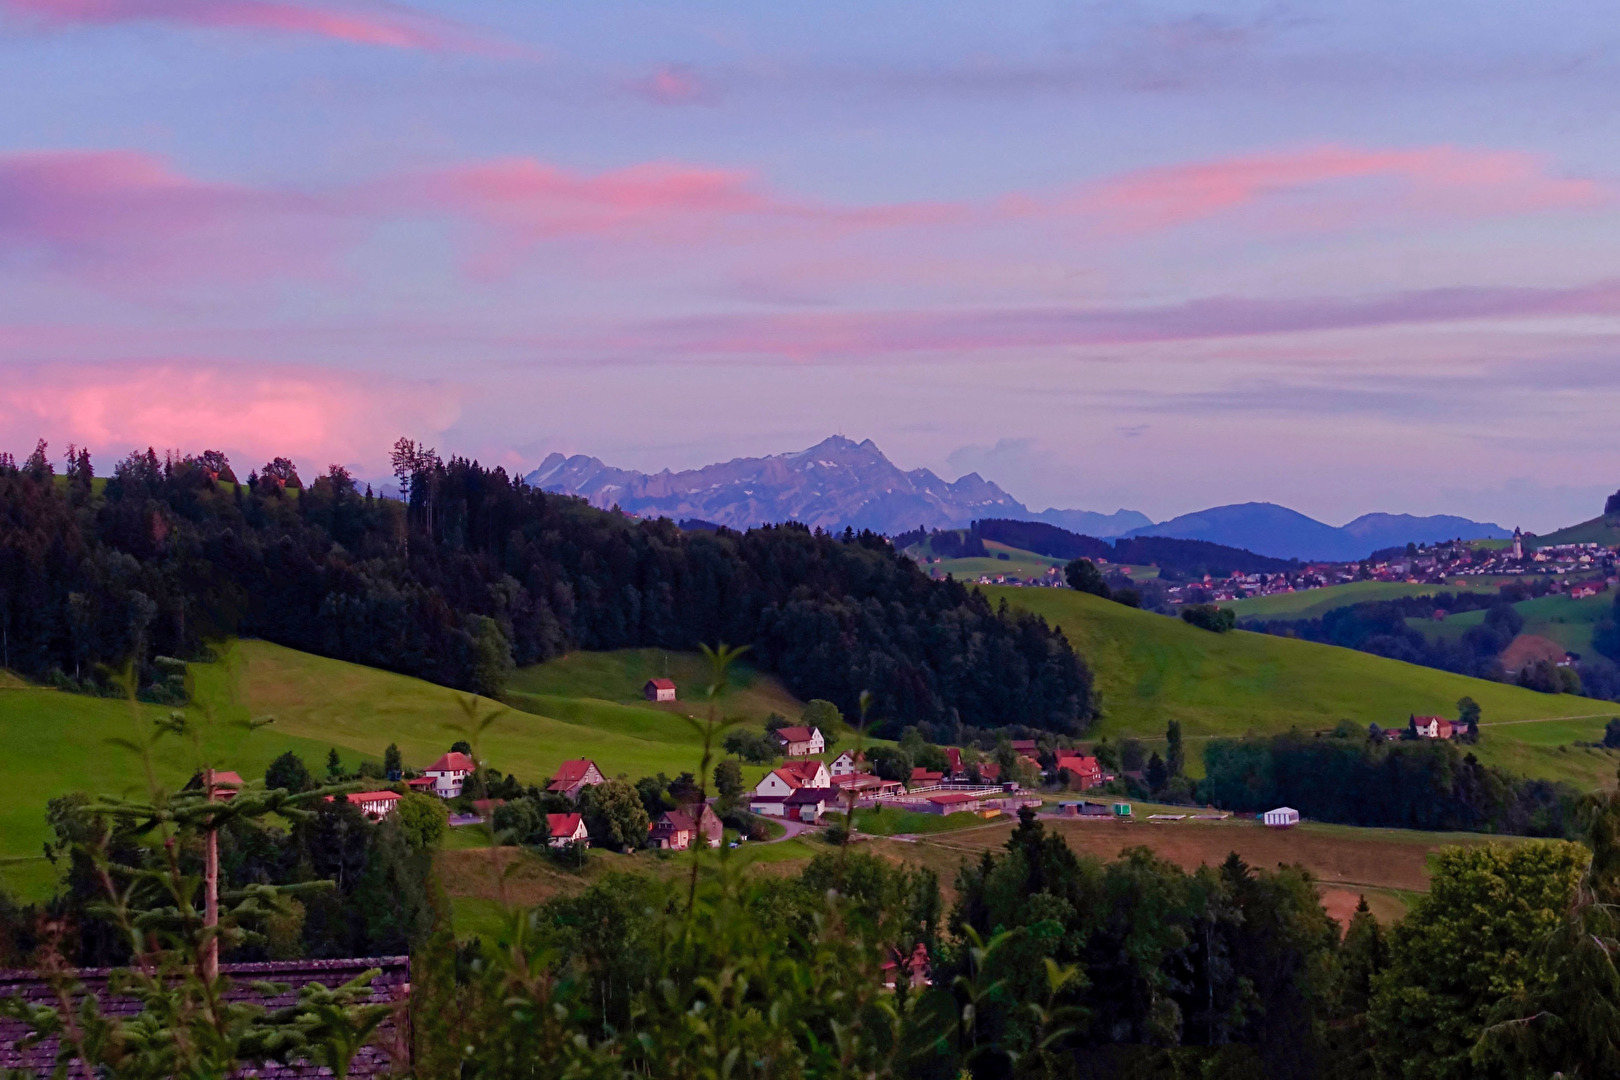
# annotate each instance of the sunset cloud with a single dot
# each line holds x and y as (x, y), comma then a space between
(385, 26)
(1326, 185)
(252, 412)
(672, 84)
(114, 215)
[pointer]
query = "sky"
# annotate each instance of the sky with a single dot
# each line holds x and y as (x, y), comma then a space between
(1348, 257)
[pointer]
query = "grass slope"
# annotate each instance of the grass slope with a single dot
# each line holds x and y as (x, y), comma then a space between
(59, 742)
(1558, 618)
(1151, 669)
(618, 677)
(1600, 530)
(1314, 603)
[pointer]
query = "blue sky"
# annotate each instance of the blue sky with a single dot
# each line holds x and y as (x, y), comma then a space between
(1348, 257)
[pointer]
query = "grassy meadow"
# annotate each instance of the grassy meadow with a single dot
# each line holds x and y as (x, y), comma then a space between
(1557, 618)
(63, 741)
(1151, 669)
(1314, 603)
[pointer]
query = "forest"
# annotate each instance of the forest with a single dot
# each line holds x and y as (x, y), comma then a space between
(478, 573)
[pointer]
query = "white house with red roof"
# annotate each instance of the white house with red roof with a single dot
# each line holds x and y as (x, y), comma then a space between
(449, 773)
(573, 777)
(375, 804)
(566, 829)
(800, 741)
(810, 773)
(1432, 727)
(772, 793)
(848, 764)
(673, 831)
(658, 690)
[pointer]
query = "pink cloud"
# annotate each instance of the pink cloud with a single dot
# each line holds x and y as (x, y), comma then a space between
(253, 413)
(672, 85)
(1326, 185)
(125, 216)
(387, 26)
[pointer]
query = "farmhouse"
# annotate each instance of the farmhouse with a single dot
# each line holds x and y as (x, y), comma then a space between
(1283, 817)
(810, 773)
(1080, 773)
(572, 777)
(673, 831)
(707, 823)
(658, 690)
(800, 741)
(848, 764)
(449, 773)
(375, 804)
(808, 803)
(565, 829)
(1431, 727)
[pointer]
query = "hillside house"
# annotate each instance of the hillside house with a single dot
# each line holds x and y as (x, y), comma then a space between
(800, 741)
(810, 773)
(1432, 727)
(658, 690)
(955, 771)
(848, 764)
(226, 785)
(707, 822)
(809, 803)
(1284, 817)
(449, 773)
(565, 829)
(921, 777)
(673, 831)
(573, 777)
(1079, 773)
(375, 804)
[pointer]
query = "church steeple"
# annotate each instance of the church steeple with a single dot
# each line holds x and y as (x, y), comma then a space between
(1518, 544)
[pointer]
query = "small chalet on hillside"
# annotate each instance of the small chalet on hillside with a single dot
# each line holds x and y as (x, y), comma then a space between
(565, 829)
(449, 773)
(658, 690)
(800, 741)
(573, 777)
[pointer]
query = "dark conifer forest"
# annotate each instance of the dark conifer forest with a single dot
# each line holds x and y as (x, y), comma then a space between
(479, 572)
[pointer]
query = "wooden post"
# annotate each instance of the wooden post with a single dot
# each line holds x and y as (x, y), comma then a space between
(211, 888)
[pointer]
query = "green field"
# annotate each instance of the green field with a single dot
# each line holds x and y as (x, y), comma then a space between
(1017, 563)
(1151, 669)
(1557, 618)
(617, 677)
(1314, 603)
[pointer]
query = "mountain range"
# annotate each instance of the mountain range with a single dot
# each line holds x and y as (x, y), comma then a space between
(840, 482)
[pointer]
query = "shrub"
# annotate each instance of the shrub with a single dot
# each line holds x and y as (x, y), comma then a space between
(1209, 617)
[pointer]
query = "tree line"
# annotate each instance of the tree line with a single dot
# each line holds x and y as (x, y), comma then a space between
(477, 573)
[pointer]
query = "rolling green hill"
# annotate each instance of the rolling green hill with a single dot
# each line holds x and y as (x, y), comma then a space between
(1004, 559)
(1151, 669)
(1314, 603)
(59, 742)
(1600, 530)
(1558, 618)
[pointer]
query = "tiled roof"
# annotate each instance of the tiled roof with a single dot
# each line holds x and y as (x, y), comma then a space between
(392, 984)
(661, 684)
(793, 734)
(454, 761)
(804, 770)
(572, 772)
(562, 824)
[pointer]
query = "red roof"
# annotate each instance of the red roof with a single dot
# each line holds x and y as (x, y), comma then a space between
(989, 770)
(572, 772)
(661, 684)
(420, 781)
(454, 761)
(951, 798)
(922, 775)
(358, 797)
(804, 770)
(788, 777)
(562, 824)
(1078, 765)
(793, 734)
(954, 756)
(675, 821)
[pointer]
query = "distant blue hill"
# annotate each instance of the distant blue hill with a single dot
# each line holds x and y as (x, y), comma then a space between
(1269, 529)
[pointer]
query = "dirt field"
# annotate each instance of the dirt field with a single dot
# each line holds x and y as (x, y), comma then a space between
(1385, 865)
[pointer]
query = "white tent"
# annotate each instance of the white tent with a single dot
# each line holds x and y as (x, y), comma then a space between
(1282, 817)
